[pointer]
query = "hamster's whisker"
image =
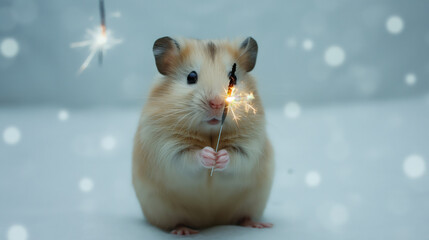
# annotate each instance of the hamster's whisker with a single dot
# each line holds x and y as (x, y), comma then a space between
(168, 116)
(175, 112)
(183, 118)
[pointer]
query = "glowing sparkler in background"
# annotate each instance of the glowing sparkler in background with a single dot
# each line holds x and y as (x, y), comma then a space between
(233, 100)
(98, 40)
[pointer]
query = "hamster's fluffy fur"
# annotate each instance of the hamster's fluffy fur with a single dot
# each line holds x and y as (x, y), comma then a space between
(171, 185)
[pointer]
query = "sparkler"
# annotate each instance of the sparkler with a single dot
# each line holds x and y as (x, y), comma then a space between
(229, 98)
(98, 40)
(233, 100)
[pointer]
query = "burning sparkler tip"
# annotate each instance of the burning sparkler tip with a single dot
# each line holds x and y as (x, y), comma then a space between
(99, 40)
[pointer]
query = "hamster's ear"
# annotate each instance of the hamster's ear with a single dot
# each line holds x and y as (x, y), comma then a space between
(249, 52)
(166, 52)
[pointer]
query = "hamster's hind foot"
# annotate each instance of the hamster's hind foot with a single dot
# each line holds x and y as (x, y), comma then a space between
(247, 222)
(183, 231)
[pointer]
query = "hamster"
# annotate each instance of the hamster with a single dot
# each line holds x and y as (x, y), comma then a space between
(178, 131)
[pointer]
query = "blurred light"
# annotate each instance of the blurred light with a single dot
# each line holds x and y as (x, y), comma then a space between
(410, 79)
(17, 232)
(292, 110)
(63, 115)
(11, 135)
(230, 99)
(97, 40)
(338, 215)
(108, 143)
(312, 179)
(394, 24)
(101, 40)
(335, 56)
(307, 45)
(414, 166)
(9, 47)
(86, 185)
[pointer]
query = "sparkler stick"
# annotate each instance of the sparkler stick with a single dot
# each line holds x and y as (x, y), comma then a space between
(232, 83)
(99, 40)
(103, 16)
(103, 29)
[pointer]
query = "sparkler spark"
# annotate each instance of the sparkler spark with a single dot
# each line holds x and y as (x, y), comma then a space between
(98, 39)
(239, 99)
(96, 42)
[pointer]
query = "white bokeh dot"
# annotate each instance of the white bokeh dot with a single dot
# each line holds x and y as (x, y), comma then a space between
(335, 56)
(307, 44)
(394, 24)
(338, 215)
(9, 47)
(312, 179)
(17, 232)
(108, 143)
(63, 115)
(11, 135)
(410, 79)
(414, 166)
(292, 110)
(86, 184)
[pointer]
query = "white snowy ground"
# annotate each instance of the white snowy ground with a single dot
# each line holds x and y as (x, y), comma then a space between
(353, 171)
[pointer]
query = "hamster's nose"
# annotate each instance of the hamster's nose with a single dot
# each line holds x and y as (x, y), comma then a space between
(216, 103)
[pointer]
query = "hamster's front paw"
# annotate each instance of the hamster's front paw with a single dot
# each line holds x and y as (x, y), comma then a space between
(222, 160)
(207, 157)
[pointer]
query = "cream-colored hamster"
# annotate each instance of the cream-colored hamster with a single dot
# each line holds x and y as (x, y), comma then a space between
(177, 133)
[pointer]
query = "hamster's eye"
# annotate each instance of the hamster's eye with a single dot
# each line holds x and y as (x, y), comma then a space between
(192, 77)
